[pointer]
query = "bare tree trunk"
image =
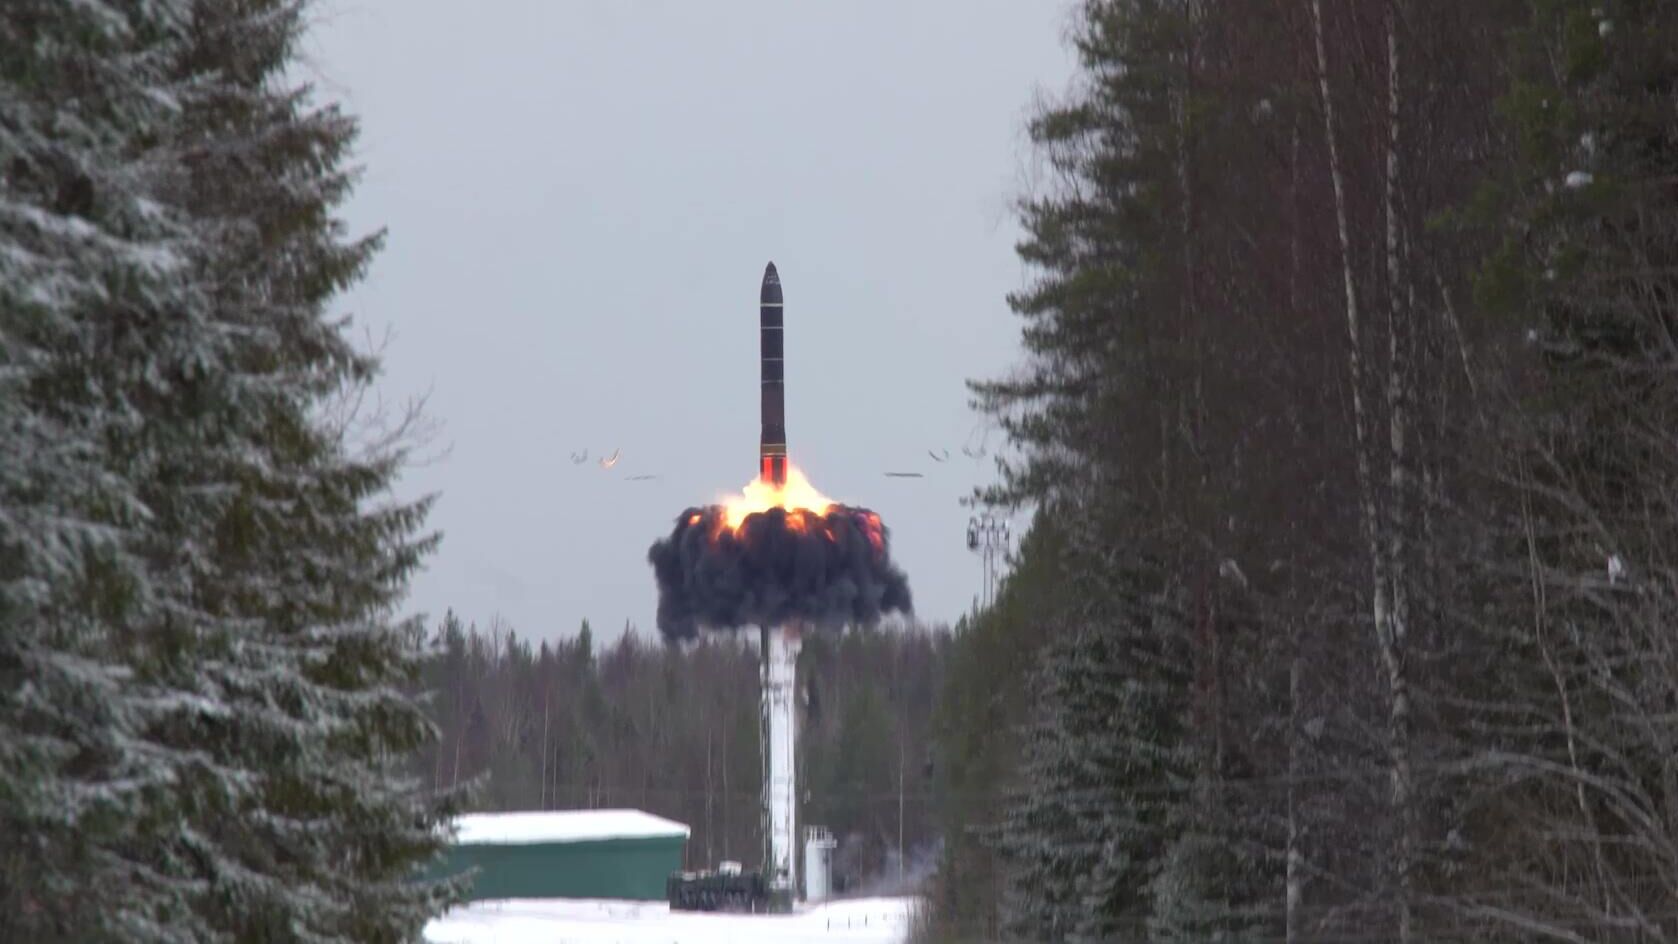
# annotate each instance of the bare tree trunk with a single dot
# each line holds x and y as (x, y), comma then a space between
(545, 699)
(1360, 422)
(728, 798)
(454, 779)
(1191, 416)
(1371, 523)
(900, 757)
(710, 833)
(437, 768)
(1393, 643)
(1294, 894)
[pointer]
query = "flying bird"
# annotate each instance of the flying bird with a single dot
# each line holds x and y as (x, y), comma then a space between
(610, 460)
(938, 458)
(578, 458)
(904, 475)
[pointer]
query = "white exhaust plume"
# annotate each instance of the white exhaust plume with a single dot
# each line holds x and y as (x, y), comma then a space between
(780, 738)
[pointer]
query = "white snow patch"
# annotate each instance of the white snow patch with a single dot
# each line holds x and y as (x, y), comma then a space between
(596, 921)
(563, 826)
(1230, 570)
(1578, 179)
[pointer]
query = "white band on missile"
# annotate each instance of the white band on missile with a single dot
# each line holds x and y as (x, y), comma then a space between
(771, 304)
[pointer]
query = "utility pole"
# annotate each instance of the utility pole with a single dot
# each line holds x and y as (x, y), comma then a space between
(987, 536)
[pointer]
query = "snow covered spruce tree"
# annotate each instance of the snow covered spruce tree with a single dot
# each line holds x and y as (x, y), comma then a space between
(1085, 833)
(274, 531)
(201, 723)
(98, 318)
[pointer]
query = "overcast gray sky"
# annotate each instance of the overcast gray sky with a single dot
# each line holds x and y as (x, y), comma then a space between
(581, 197)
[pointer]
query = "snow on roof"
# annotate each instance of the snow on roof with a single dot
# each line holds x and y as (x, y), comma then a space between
(563, 826)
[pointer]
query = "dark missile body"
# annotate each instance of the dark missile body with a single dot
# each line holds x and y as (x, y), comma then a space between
(772, 445)
(819, 569)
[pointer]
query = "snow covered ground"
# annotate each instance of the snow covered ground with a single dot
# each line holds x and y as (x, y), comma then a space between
(592, 921)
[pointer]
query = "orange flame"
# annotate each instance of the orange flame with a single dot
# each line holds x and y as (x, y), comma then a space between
(760, 496)
(807, 511)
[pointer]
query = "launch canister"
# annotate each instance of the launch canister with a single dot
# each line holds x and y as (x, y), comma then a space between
(772, 464)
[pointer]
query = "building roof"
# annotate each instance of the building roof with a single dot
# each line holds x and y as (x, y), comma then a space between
(563, 826)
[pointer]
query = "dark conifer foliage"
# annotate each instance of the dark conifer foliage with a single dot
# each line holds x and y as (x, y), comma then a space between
(1347, 335)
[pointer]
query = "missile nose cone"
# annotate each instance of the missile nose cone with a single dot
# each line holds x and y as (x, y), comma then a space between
(771, 291)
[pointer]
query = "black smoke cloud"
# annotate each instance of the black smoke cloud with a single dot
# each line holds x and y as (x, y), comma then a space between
(826, 570)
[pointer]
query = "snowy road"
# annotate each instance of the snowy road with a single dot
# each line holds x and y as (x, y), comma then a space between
(588, 921)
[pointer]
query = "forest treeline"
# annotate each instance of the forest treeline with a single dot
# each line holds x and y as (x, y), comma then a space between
(1347, 416)
(674, 730)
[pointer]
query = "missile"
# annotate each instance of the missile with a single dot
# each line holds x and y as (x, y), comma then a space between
(772, 445)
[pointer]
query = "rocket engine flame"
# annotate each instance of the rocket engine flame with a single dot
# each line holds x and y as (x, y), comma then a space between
(760, 495)
(775, 555)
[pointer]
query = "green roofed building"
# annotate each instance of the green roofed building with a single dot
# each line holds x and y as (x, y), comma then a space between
(569, 854)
